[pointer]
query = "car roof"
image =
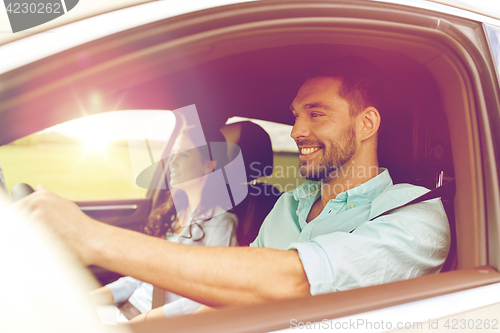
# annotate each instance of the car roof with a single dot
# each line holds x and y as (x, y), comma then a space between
(461, 8)
(85, 9)
(484, 7)
(21, 51)
(116, 17)
(179, 80)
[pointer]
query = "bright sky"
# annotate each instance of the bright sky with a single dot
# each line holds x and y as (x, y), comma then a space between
(131, 125)
(279, 133)
(118, 125)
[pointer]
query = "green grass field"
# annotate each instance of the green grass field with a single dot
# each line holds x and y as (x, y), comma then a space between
(71, 172)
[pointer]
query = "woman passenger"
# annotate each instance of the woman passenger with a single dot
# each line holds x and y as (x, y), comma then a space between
(189, 213)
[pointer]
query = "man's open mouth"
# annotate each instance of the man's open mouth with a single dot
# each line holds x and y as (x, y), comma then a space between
(308, 151)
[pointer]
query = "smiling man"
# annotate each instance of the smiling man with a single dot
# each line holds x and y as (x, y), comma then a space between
(328, 219)
(322, 237)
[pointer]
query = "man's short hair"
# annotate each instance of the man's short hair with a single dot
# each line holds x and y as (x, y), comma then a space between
(362, 82)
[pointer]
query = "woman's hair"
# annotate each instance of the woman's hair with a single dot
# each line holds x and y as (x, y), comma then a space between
(164, 213)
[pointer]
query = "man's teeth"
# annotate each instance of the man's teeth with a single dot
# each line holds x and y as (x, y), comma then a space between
(306, 151)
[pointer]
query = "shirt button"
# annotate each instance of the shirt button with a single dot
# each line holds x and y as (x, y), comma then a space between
(297, 212)
(351, 205)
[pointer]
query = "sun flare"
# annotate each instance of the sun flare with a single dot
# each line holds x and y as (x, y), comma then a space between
(95, 143)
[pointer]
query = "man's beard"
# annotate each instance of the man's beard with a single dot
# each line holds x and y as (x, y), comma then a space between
(329, 164)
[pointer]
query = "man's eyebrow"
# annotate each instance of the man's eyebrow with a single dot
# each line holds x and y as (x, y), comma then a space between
(314, 105)
(317, 105)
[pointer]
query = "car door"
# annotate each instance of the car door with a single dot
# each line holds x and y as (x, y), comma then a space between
(265, 44)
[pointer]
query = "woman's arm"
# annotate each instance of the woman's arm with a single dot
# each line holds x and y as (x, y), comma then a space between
(203, 308)
(151, 314)
(102, 296)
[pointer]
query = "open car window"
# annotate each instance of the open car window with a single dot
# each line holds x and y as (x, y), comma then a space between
(285, 176)
(96, 157)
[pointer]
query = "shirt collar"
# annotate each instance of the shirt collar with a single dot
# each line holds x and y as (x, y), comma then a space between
(362, 194)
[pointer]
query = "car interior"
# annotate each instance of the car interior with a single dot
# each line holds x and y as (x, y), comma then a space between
(415, 142)
(430, 132)
(255, 146)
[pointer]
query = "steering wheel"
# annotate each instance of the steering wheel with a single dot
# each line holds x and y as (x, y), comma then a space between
(20, 190)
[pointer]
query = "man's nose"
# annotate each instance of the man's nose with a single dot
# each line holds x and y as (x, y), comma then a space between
(300, 128)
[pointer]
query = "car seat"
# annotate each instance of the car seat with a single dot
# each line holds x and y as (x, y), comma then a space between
(414, 144)
(257, 152)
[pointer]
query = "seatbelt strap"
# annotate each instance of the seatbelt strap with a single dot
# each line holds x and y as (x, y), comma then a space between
(158, 297)
(445, 190)
(129, 310)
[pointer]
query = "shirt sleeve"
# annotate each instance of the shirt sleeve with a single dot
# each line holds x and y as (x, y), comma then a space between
(180, 307)
(408, 243)
(256, 242)
(123, 288)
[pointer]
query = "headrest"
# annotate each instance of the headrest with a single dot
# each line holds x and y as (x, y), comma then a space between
(255, 145)
(414, 143)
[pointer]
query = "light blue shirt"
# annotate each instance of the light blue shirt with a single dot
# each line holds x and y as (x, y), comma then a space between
(407, 243)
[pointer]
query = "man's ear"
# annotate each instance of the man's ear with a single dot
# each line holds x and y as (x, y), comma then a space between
(369, 123)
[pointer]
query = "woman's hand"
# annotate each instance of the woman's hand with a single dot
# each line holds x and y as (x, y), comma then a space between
(101, 296)
(204, 308)
(151, 314)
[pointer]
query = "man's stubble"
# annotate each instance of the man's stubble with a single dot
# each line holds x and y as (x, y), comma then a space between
(337, 156)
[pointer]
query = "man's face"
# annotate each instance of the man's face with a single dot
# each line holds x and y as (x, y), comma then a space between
(324, 130)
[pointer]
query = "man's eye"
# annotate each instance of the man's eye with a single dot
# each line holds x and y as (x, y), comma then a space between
(315, 114)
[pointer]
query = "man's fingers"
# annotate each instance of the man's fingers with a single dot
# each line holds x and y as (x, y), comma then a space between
(22, 204)
(27, 203)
